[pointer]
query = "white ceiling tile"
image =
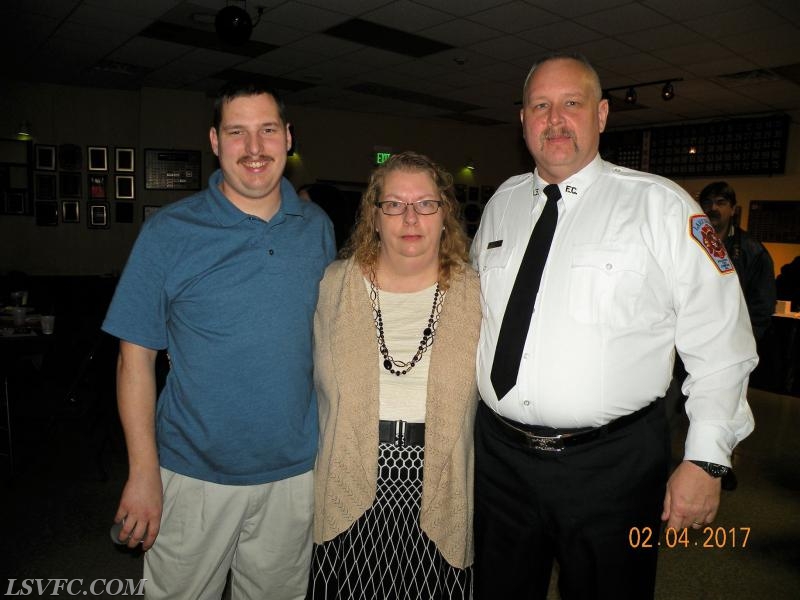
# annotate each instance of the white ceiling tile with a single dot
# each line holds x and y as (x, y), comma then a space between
(692, 53)
(104, 18)
(376, 57)
(736, 22)
(634, 63)
(513, 17)
(407, 16)
(686, 10)
(576, 8)
(320, 43)
(150, 9)
(622, 19)
(329, 72)
(147, 52)
(304, 16)
(419, 68)
(462, 7)
(354, 8)
(560, 34)
(713, 68)
(275, 33)
(508, 47)
(459, 57)
(598, 50)
(459, 32)
(665, 36)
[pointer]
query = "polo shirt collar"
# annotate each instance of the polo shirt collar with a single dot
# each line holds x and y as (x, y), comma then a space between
(229, 215)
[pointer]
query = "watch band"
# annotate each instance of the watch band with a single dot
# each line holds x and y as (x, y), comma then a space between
(712, 469)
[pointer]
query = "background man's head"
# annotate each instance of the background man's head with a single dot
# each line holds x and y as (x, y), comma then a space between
(563, 113)
(718, 201)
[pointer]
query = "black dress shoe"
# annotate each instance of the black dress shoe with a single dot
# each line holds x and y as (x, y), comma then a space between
(729, 481)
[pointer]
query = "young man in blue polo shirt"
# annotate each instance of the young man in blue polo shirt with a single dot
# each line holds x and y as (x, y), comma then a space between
(226, 280)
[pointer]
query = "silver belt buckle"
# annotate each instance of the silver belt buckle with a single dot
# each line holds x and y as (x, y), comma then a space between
(400, 434)
(553, 444)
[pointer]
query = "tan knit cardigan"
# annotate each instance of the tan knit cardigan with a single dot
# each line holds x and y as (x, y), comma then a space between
(346, 376)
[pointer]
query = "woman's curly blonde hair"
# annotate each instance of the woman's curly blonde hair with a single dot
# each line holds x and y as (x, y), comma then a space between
(364, 243)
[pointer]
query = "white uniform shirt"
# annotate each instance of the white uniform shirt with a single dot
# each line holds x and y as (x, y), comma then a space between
(626, 281)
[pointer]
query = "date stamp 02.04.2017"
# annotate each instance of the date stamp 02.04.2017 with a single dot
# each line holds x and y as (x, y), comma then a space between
(709, 537)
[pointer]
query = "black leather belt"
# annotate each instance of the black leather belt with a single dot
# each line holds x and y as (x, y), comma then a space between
(555, 440)
(402, 433)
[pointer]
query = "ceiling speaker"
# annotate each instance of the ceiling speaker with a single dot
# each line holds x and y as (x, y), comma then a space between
(233, 25)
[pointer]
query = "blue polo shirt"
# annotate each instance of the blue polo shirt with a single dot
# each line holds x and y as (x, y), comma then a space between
(232, 298)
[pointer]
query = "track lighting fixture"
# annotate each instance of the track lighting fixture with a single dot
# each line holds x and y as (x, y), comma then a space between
(631, 97)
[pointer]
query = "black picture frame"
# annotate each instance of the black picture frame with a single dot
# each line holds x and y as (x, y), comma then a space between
(97, 157)
(15, 202)
(97, 215)
(69, 185)
(123, 212)
(45, 157)
(70, 157)
(44, 186)
(70, 211)
(46, 213)
(124, 187)
(124, 160)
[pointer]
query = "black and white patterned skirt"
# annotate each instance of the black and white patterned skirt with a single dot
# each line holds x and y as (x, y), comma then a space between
(384, 554)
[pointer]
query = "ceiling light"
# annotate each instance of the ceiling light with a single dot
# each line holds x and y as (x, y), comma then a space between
(25, 131)
(668, 92)
(234, 25)
(630, 95)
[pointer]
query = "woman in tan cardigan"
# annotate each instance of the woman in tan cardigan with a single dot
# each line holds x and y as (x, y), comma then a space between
(395, 332)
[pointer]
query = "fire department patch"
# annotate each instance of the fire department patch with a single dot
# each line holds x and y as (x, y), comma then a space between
(704, 234)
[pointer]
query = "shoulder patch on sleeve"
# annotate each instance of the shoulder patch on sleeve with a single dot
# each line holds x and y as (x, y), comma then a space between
(703, 233)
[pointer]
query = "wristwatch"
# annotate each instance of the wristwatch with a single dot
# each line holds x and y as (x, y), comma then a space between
(712, 469)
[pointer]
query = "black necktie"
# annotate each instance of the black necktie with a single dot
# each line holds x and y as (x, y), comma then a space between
(517, 318)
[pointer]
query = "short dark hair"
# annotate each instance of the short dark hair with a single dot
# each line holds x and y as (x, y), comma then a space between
(718, 189)
(238, 89)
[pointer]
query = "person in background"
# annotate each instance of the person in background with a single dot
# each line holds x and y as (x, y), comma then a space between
(227, 281)
(340, 209)
(752, 261)
(571, 442)
(395, 336)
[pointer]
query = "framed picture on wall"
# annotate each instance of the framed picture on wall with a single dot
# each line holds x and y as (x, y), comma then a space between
(70, 211)
(70, 157)
(45, 157)
(97, 187)
(123, 160)
(47, 213)
(15, 202)
(69, 185)
(44, 186)
(123, 186)
(98, 158)
(97, 215)
(124, 212)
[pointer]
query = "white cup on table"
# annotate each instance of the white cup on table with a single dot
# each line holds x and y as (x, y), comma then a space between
(48, 322)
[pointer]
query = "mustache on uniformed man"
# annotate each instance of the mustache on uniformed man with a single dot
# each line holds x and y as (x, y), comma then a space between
(554, 132)
(713, 214)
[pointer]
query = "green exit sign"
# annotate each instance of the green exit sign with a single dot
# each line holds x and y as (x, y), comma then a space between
(382, 157)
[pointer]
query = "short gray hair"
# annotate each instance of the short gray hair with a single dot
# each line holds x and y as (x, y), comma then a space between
(576, 56)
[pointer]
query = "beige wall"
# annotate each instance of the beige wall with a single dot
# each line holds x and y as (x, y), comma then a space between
(331, 145)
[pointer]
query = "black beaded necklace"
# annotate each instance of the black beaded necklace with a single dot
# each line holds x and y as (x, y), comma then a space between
(389, 363)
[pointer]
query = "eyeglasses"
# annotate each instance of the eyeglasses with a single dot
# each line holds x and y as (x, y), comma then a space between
(395, 208)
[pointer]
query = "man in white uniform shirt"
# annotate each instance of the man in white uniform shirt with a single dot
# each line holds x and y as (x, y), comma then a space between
(576, 454)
